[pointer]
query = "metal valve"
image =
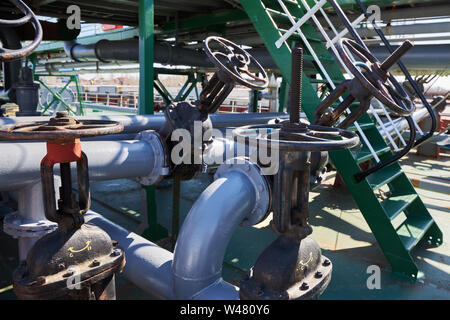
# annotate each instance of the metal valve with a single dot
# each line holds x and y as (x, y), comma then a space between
(234, 66)
(292, 267)
(372, 79)
(76, 261)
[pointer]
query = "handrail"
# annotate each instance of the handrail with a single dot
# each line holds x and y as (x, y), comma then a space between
(408, 76)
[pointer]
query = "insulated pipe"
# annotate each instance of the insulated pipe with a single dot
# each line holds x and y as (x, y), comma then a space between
(128, 50)
(164, 53)
(148, 266)
(134, 124)
(205, 234)
(20, 162)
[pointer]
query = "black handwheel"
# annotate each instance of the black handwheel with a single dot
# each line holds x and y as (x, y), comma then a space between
(375, 76)
(235, 62)
(296, 137)
(10, 54)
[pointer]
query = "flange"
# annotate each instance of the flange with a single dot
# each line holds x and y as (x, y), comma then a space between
(160, 167)
(17, 226)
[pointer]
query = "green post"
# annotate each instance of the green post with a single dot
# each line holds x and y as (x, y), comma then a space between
(154, 231)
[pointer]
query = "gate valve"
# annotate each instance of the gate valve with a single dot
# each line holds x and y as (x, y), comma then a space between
(371, 79)
(234, 66)
(292, 267)
(83, 255)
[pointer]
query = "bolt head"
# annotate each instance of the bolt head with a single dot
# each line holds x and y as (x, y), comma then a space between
(304, 286)
(326, 263)
(318, 275)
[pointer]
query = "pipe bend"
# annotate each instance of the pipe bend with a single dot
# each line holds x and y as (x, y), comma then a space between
(207, 230)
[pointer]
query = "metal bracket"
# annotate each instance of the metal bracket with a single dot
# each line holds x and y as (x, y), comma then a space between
(262, 188)
(160, 168)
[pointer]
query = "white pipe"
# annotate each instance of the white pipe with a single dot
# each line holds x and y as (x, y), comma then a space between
(108, 160)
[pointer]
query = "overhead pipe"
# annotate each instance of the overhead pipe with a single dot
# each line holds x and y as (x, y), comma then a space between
(164, 53)
(128, 50)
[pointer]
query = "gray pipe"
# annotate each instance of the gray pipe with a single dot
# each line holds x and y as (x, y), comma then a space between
(134, 124)
(20, 162)
(148, 266)
(436, 57)
(205, 235)
(401, 124)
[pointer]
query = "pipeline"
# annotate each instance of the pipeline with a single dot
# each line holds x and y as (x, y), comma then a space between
(128, 50)
(135, 124)
(107, 161)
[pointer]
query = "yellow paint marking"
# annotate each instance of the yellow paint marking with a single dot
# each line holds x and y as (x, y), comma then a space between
(304, 264)
(87, 247)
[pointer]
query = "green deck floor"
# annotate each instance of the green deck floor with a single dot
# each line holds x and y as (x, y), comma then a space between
(339, 228)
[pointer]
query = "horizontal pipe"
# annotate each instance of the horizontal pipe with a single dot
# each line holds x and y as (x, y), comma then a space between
(148, 266)
(108, 160)
(401, 124)
(134, 124)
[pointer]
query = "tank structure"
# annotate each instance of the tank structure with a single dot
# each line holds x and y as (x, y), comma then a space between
(284, 167)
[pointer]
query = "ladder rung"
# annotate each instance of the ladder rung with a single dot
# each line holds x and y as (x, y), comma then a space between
(297, 37)
(383, 176)
(394, 205)
(363, 126)
(364, 154)
(413, 229)
(311, 80)
(322, 59)
(290, 4)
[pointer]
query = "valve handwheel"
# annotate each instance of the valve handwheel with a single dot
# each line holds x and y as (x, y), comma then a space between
(296, 137)
(60, 128)
(63, 134)
(10, 54)
(371, 79)
(235, 63)
(376, 78)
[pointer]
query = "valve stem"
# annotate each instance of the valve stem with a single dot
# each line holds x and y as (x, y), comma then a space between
(295, 96)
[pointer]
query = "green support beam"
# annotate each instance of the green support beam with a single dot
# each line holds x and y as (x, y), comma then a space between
(154, 231)
(204, 21)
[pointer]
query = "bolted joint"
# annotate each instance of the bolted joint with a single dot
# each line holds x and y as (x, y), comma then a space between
(260, 183)
(160, 167)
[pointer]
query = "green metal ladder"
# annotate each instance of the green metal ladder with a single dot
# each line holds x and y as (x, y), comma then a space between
(271, 22)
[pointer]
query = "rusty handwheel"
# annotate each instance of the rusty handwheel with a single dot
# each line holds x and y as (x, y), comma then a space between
(10, 54)
(60, 128)
(375, 76)
(235, 63)
(296, 137)
(62, 134)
